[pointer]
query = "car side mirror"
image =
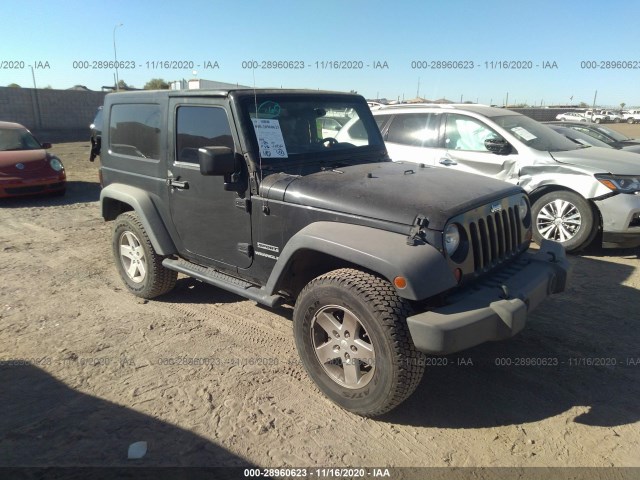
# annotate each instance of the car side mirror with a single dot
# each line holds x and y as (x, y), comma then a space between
(499, 146)
(216, 161)
(46, 145)
(222, 161)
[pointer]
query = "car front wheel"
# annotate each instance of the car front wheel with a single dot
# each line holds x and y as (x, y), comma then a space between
(564, 217)
(351, 334)
(138, 264)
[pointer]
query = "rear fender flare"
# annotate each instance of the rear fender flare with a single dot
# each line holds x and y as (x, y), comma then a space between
(141, 202)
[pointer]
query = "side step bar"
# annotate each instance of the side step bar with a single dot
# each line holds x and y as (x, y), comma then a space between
(224, 281)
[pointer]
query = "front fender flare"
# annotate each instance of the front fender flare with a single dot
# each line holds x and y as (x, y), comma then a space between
(142, 204)
(386, 253)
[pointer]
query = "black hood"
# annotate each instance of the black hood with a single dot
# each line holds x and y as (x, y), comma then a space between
(389, 191)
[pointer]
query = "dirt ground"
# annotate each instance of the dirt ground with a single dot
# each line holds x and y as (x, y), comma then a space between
(208, 378)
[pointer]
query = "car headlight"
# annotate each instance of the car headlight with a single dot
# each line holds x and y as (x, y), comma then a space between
(620, 183)
(451, 239)
(523, 211)
(56, 164)
(523, 208)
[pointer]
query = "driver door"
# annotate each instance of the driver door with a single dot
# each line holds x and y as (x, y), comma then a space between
(214, 225)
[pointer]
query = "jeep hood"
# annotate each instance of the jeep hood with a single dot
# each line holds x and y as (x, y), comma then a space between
(601, 160)
(391, 191)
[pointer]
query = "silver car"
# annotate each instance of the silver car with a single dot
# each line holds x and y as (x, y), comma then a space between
(575, 190)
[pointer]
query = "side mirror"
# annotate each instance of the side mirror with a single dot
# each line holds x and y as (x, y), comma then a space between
(222, 161)
(216, 161)
(46, 145)
(499, 146)
(95, 148)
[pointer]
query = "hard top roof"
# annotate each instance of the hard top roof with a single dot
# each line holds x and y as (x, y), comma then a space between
(236, 92)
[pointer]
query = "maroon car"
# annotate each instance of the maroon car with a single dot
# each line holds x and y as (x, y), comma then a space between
(25, 167)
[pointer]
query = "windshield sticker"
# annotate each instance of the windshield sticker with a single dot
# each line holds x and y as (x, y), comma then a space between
(270, 138)
(526, 135)
(269, 109)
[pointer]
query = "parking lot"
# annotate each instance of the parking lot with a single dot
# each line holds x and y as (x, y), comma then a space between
(208, 378)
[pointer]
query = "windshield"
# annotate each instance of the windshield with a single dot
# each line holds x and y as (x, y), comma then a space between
(579, 137)
(534, 134)
(618, 137)
(17, 139)
(289, 128)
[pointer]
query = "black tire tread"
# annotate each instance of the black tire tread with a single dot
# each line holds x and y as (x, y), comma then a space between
(393, 311)
(163, 280)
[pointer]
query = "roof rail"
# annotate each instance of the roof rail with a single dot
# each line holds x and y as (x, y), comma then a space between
(432, 105)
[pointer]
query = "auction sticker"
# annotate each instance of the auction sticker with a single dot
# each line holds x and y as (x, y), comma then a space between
(270, 138)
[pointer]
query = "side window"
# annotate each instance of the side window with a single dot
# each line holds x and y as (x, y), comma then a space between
(466, 133)
(198, 127)
(134, 130)
(358, 131)
(415, 129)
(381, 120)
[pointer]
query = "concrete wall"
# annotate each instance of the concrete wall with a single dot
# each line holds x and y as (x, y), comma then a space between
(53, 115)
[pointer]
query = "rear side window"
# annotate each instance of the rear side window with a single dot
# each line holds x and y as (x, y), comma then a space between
(198, 127)
(134, 130)
(415, 129)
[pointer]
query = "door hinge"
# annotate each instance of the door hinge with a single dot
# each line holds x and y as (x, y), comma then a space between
(246, 249)
(244, 204)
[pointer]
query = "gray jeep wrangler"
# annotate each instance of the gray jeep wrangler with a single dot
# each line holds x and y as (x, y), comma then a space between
(384, 262)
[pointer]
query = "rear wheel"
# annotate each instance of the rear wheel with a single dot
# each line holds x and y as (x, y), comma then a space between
(351, 333)
(564, 217)
(138, 264)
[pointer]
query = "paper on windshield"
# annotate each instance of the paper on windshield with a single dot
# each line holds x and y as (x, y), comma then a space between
(270, 138)
(526, 135)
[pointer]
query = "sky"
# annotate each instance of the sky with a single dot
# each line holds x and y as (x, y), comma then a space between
(588, 46)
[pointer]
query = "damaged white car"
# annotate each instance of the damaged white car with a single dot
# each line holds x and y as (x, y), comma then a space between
(576, 191)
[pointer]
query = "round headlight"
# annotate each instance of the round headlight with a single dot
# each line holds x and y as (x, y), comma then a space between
(451, 239)
(56, 164)
(523, 211)
(522, 207)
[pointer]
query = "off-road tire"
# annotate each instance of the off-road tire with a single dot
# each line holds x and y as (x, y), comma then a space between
(157, 279)
(381, 313)
(582, 237)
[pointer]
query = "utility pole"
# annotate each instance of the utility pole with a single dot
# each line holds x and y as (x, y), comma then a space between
(115, 55)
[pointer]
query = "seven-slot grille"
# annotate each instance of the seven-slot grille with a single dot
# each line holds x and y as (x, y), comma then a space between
(494, 237)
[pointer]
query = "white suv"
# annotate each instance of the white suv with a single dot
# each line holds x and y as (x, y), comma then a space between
(631, 116)
(575, 190)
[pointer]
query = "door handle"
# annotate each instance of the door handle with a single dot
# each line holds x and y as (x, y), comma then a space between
(178, 184)
(448, 161)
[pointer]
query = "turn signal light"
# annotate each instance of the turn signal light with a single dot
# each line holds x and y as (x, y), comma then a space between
(400, 282)
(458, 273)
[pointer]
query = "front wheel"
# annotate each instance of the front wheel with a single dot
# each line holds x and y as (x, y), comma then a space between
(564, 217)
(351, 333)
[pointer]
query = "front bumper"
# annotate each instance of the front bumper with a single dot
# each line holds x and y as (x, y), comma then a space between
(495, 310)
(620, 227)
(15, 187)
